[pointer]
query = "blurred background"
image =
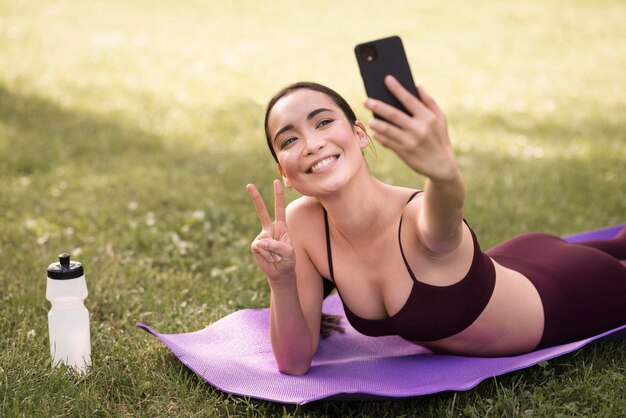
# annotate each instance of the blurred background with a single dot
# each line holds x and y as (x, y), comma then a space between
(128, 131)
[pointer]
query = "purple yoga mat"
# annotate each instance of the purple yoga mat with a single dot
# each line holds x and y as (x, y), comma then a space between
(234, 355)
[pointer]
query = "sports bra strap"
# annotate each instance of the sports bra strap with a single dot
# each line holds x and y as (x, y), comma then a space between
(413, 195)
(406, 263)
(328, 250)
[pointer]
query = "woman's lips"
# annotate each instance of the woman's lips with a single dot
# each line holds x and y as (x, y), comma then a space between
(323, 163)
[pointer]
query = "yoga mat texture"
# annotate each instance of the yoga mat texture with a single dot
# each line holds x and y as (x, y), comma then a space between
(234, 355)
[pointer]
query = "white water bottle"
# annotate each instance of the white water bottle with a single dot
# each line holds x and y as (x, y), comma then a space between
(68, 319)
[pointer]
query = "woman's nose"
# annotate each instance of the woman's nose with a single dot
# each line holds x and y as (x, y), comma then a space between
(314, 143)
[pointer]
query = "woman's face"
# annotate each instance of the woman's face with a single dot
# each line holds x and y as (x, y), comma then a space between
(318, 149)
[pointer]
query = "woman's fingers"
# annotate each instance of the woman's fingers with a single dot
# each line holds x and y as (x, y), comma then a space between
(261, 209)
(265, 244)
(430, 103)
(387, 134)
(381, 128)
(416, 107)
(388, 112)
(279, 201)
(282, 249)
(261, 247)
(268, 256)
(259, 205)
(408, 100)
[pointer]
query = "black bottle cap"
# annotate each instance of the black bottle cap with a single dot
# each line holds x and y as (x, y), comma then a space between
(65, 269)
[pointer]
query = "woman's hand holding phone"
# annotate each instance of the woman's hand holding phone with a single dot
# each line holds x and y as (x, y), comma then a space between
(420, 138)
(272, 248)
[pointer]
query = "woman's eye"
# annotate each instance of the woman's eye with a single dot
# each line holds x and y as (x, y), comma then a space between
(287, 142)
(324, 122)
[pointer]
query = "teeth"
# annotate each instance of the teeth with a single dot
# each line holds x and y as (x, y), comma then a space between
(322, 164)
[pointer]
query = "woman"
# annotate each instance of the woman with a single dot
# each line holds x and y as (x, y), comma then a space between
(405, 262)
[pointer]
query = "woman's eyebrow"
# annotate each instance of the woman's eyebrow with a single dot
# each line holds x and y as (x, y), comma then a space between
(308, 117)
(281, 130)
(316, 112)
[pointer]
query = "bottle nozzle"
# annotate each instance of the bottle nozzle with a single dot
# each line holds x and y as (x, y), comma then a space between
(65, 269)
(64, 259)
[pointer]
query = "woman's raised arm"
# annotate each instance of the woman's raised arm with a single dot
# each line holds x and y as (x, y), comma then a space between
(293, 336)
(421, 140)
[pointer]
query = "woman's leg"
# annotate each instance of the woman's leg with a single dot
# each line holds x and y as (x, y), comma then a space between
(615, 247)
(583, 290)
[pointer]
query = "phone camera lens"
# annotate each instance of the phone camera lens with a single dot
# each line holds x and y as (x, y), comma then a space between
(369, 53)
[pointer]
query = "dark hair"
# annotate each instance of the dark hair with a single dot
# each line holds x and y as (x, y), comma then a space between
(334, 96)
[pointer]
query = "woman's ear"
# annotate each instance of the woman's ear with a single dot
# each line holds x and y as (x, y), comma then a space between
(361, 133)
(282, 174)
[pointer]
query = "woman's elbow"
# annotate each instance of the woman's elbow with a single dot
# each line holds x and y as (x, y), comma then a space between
(443, 247)
(294, 369)
(295, 364)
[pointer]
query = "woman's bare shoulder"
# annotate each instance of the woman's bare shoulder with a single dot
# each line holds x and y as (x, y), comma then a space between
(303, 205)
(305, 220)
(404, 194)
(304, 212)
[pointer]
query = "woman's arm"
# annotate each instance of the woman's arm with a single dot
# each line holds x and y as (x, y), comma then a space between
(440, 221)
(295, 303)
(293, 342)
(421, 140)
(295, 315)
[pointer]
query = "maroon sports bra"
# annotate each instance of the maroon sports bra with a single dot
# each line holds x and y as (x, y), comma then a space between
(431, 312)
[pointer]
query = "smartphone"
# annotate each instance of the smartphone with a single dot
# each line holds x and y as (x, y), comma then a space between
(380, 58)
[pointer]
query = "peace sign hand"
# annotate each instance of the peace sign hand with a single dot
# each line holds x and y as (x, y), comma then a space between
(272, 248)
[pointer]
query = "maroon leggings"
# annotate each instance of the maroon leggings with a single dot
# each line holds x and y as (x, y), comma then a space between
(582, 285)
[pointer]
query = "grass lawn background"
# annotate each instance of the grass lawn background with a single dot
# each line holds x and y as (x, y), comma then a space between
(128, 131)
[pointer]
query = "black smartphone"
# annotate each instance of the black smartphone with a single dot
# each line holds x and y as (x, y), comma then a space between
(380, 58)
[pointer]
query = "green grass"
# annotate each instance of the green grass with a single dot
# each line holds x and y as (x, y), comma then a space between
(129, 129)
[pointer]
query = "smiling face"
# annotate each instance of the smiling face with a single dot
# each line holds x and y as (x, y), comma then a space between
(317, 148)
